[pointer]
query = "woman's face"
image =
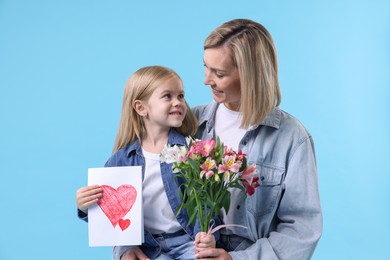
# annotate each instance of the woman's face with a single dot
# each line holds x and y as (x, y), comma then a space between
(222, 77)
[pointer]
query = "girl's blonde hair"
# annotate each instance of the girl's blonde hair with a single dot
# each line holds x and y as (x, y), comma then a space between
(254, 55)
(140, 86)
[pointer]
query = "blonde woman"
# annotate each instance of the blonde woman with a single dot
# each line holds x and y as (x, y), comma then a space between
(154, 113)
(284, 216)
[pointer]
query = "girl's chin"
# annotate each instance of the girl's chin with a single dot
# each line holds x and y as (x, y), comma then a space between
(176, 124)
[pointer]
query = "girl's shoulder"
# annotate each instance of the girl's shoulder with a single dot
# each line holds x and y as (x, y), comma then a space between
(122, 156)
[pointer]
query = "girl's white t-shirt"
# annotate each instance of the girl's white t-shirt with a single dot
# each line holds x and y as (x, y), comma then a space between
(158, 214)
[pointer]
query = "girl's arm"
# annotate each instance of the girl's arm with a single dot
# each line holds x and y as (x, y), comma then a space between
(203, 241)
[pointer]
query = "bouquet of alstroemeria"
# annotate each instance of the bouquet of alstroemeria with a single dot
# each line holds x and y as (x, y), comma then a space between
(209, 169)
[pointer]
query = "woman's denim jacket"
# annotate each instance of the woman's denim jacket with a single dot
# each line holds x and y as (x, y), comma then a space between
(283, 217)
(131, 155)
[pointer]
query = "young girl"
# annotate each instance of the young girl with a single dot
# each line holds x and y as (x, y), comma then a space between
(154, 113)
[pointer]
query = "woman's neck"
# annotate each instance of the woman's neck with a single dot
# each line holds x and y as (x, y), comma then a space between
(233, 106)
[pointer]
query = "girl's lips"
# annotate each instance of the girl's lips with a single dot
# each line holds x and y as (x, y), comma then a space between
(176, 113)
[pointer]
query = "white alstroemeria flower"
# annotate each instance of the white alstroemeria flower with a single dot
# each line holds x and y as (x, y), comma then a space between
(172, 154)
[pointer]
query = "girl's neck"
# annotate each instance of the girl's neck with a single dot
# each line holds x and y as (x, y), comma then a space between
(154, 143)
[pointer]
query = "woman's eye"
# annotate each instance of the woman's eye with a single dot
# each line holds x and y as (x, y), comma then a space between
(219, 75)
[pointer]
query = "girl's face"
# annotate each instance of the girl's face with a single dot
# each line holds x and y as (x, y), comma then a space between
(166, 107)
(222, 77)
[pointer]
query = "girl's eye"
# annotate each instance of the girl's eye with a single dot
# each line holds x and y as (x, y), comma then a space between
(181, 96)
(167, 96)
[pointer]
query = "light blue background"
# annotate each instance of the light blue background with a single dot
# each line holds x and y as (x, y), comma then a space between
(63, 65)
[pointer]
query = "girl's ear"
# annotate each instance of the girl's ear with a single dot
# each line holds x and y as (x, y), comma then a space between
(139, 107)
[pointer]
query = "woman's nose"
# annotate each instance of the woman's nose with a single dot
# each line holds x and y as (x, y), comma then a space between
(207, 77)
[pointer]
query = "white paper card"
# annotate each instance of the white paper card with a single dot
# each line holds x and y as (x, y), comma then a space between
(118, 217)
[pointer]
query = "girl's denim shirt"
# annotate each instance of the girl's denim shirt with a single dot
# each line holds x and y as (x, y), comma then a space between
(283, 217)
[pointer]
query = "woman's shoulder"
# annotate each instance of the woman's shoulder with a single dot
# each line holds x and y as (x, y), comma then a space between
(285, 124)
(292, 125)
(205, 111)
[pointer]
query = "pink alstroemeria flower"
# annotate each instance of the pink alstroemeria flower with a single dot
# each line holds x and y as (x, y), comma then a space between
(229, 164)
(250, 188)
(194, 150)
(240, 156)
(201, 148)
(248, 173)
(249, 181)
(206, 147)
(228, 151)
(207, 168)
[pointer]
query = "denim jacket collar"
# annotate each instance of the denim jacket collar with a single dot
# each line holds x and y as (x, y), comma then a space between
(174, 138)
(273, 119)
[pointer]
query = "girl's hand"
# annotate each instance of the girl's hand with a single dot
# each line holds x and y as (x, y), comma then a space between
(87, 196)
(203, 241)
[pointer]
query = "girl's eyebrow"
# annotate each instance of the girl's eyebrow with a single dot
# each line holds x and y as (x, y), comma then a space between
(169, 92)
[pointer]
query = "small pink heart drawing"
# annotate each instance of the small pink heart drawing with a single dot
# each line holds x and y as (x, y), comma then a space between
(116, 203)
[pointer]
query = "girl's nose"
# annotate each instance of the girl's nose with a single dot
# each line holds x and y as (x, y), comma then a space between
(176, 102)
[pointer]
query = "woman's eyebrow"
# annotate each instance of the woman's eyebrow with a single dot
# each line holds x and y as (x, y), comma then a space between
(214, 69)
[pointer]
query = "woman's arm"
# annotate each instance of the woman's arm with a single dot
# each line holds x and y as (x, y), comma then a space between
(299, 215)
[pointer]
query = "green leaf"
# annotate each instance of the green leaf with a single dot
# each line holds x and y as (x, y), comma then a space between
(239, 186)
(193, 217)
(195, 165)
(180, 208)
(226, 202)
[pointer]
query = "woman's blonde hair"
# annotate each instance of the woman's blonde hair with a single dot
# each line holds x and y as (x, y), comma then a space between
(254, 55)
(140, 86)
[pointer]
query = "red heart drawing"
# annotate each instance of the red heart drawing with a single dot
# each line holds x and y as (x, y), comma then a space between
(116, 203)
(124, 223)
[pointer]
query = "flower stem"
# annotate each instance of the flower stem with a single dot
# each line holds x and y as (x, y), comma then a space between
(200, 211)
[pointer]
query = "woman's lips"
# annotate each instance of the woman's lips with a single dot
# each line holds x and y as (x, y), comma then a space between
(216, 91)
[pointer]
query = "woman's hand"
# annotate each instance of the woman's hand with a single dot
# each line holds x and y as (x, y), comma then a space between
(134, 253)
(213, 253)
(87, 196)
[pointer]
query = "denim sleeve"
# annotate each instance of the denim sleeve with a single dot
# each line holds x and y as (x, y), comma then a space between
(81, 215)
(299, 213)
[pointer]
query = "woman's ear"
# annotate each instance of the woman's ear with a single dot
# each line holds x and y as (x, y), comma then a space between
(140, 108)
